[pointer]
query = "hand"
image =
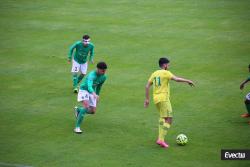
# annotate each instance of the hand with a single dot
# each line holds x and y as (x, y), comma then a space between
(97, 99)
(95, 96)
(146, 103)
(191, 83)
(69, 61)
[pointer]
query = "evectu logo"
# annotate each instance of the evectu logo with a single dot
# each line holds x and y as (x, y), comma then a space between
(235, 154)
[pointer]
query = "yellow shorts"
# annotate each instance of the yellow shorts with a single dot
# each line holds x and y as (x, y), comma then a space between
(164, 108)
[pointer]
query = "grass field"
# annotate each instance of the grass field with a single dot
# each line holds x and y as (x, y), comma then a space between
(206, 41)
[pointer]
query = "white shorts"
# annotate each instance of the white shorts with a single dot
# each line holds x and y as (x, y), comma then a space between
(248, 96)
(76, 67)
(85, 95)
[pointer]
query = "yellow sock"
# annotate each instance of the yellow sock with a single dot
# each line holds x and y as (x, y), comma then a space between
(163, 129)
(161, 123)
(166, 126)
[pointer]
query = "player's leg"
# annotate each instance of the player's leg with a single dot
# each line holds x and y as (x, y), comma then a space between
(83, 97)
(80, 77)
(75, 69)
(92, 104)
(83, 70)
(247, 104)
(91, 110)
(160, 128)
(161, 122)
(164, 121)
(167, 124)
(74, 78)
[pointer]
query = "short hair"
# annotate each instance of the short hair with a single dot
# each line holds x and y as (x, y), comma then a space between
(249, 66)
(86, 37)
(102, 65)
(163, 60)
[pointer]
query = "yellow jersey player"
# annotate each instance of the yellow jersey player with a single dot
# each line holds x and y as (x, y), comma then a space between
(161, 92)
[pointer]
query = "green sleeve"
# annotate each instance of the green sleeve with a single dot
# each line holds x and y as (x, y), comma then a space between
(98, 89)
(91, 53)
(90, 86)
(71, 50)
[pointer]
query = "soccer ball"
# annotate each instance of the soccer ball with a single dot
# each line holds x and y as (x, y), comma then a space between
(248, 96)
(181, 139)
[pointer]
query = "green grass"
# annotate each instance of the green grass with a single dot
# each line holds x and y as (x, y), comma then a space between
(206, 41)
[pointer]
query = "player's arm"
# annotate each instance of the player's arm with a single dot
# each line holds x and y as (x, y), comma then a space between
(90, 88)
(71, 50)
(99, 86)
(147, 88)
(91, 57)
(179, 79)
(98, 89)
(243, 83)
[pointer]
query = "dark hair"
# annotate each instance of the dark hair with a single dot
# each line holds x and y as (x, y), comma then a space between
(249, 66)
(86, 37)
(163, 60)
(102, 65)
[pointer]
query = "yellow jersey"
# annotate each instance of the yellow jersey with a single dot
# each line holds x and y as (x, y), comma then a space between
(160, 81)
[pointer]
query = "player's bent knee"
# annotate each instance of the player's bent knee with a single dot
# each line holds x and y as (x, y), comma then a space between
(92, 110)
(85, 103)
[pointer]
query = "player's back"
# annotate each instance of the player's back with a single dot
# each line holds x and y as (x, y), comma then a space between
(160, 80)
(94, 79)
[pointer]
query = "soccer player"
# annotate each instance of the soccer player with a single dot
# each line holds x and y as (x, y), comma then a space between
(88, 94)
(79, 62)
(161, 92)
(247, 100)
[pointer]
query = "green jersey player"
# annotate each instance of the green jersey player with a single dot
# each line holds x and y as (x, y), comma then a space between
(88, 94)
(83, 49)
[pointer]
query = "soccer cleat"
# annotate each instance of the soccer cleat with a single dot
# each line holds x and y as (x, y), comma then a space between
(158, 141)
(77, 130)
(162, 143)
(245, 115)
(76, 110)
(75, 90)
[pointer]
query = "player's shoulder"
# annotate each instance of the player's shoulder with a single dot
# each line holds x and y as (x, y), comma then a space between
(91, 74)
(91, 45)
(78, 42)
(163, 73)
(105, 76)
(155, 73)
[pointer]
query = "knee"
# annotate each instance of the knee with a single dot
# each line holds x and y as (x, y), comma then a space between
(91, 110)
